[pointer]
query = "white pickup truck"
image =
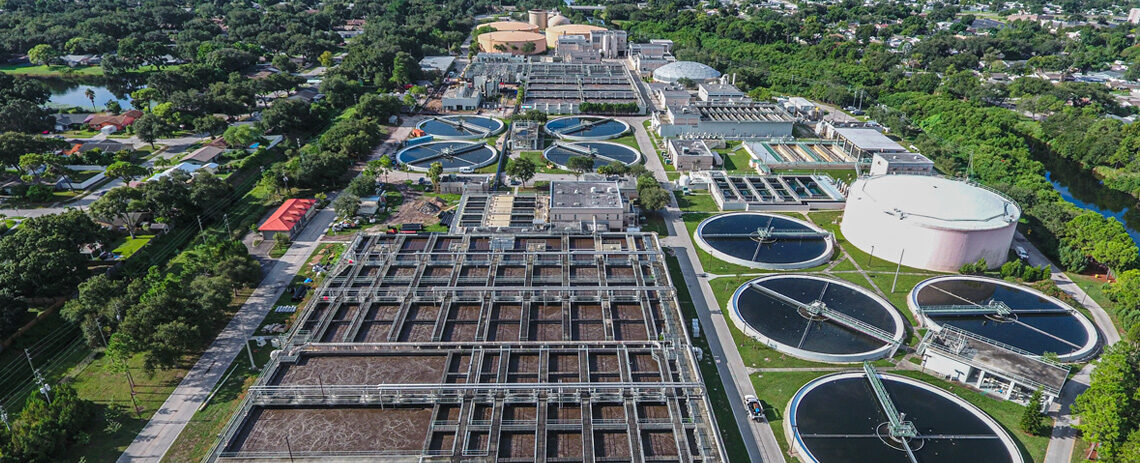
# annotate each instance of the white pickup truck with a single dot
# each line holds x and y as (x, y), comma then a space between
(755, 411)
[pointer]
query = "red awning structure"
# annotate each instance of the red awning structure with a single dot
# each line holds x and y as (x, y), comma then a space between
(288, 215)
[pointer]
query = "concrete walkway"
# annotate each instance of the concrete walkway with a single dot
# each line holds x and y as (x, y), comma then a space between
(167, 423)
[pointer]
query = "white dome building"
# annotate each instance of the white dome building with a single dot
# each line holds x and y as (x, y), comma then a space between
(932, 223)
(692, 70)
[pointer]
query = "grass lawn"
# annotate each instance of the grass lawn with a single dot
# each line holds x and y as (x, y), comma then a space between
(655, 223)
(1095, 289)
(628, 140)
(722, 409)
(697, 202)
(449, 199)
(658, 148)
(126, 246)
(775, 389)
(115, 424)
(541, 163)
(710, 263)
(53, 70)
(738, 162)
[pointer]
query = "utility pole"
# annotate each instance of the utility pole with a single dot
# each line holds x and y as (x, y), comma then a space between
(226, 218)
(893, 283)
(4, 418)
(200, 224)
(45, 389)
(248, 350)
(126, 370)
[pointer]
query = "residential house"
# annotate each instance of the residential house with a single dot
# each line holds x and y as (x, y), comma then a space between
(204, 155)
(289, 219)
(118, 121)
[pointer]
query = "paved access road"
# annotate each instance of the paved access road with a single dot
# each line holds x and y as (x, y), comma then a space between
(167, 423)
(758, 437)
(1063, 439)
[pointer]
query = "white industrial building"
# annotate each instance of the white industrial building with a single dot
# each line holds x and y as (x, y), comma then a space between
(694, 154)
(644, 58)
(461, 98)
(730, 120)
(861, 139)
(720, 92)
(929, 222)
(901, 163)
(991, 366)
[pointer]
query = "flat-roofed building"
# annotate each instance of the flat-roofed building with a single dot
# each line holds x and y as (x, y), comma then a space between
(665, 95)
(729, 120)
(718, 92)
(862, 140)
(588, 203)
(461, 98)
(901, 163)
(694, 154)
(644, 58)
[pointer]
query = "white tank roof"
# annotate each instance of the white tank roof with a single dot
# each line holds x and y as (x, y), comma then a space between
(679, 69)
(936, 201)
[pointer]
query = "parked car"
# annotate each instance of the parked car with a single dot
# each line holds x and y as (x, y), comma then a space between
(755, 410)
(1022, 253)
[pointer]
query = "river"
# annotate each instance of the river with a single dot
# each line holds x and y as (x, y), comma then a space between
(1080, 187)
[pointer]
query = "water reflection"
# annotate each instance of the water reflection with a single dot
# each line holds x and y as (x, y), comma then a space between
(1080, 187)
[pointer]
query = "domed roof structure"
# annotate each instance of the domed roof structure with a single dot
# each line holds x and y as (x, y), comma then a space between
(677, 70)
(557, 20)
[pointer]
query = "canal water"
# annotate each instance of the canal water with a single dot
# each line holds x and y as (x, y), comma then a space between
(1080, 187)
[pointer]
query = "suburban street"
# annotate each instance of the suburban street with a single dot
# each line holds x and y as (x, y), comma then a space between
(167, 423)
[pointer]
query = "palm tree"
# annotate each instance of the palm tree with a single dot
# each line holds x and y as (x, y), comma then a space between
(90, 96)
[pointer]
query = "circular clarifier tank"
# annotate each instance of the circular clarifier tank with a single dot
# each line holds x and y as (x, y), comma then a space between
(461, 127)
(841, 418)
(767, 241)
(454, 156)
(816, 318)
(1016, 315)
(586, 128)
(602, 152)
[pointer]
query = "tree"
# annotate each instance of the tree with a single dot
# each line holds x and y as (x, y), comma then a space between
(346, 205)
(434, 172)
(521, 169)
(240, 272)
(42, 54)
(149, 127)
(1109, 410)
(126, 171)
(653, 199)
(288, 117)
(39, 165)
(326, 59)
(123, 203)
(1032, 420)
(13, 145)
(12, 311)
(42, 258)
(580, 165)
(113, 106)
(404, 69)
(90, 94)
(241, 136)
(210, 125)
(102, 301)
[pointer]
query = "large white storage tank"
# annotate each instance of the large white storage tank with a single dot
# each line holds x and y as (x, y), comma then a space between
(932, 223)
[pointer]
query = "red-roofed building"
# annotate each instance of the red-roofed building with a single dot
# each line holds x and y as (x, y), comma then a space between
(119, 121)
(290, 218)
